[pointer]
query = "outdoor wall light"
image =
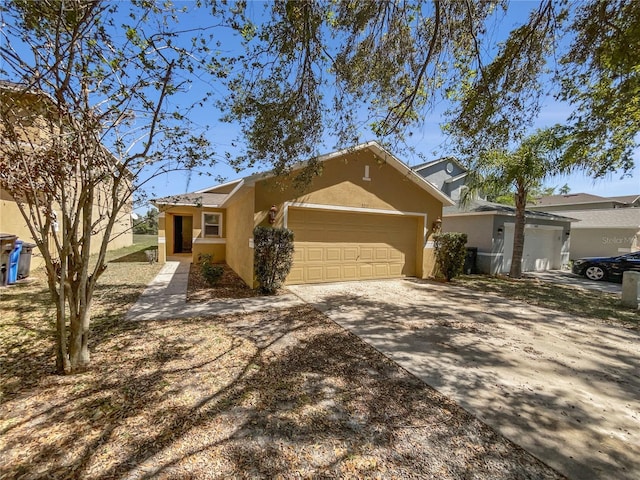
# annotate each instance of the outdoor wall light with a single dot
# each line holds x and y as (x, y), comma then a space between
(500, 230)
(272, 214)
(437, 225)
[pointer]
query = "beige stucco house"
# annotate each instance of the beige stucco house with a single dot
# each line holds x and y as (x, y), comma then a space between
(27, 108)
(367, 215)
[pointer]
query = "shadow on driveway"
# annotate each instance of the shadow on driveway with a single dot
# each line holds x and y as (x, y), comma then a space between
(564, 388)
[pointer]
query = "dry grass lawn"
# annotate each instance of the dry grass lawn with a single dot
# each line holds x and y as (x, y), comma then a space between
(556, 296)
(280, 394)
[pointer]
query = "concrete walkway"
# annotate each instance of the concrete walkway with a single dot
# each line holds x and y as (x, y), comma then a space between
(566, 389)
(166, 298)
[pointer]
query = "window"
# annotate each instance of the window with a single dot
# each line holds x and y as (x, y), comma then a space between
(211, 224)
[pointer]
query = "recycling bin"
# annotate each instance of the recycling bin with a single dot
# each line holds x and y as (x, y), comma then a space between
(24, 264)
(14, 258)
(7, 244)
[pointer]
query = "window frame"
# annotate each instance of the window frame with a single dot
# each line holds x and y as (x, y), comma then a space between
(204, 225)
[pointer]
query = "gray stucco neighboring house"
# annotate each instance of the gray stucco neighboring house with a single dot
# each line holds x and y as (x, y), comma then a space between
(446, 173)
(604, 233)
(608, 226)
(490, 228)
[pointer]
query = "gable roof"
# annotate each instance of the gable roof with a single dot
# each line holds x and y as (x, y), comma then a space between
(567, 199)
(425, 165)
(250, 180)
(630, 199)
(606, 218)
(196, 198)
(482, 207)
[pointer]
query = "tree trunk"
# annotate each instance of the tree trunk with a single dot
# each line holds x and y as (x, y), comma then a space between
(79, 356)
(518, 236)
(62, 356)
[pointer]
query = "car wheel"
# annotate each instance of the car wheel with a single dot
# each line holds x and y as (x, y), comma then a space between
(594, 273)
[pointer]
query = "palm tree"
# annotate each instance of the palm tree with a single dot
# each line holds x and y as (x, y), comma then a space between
(520, 171)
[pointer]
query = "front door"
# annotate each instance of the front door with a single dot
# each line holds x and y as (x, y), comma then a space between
(182, 233)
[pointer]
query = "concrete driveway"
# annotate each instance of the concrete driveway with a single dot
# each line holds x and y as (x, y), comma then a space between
(566, 389)
(568, 278)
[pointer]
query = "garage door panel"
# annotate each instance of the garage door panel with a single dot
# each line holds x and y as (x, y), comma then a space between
(366, 254)
(333, 273)
(381, 253)
(350, 254)
(314, 254)
(381, 270)
(366, 271)
(350, 272)
(333, 254)
(395, 270)
(396, 255)
(334, 246)
(314, 273)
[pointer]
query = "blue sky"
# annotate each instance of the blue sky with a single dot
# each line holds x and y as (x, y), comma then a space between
(427, 139)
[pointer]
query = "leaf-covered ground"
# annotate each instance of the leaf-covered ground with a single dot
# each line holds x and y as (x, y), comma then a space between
(556, 296)
(279, 394)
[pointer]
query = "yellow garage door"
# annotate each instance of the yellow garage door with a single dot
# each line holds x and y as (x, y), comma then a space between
(333, 246)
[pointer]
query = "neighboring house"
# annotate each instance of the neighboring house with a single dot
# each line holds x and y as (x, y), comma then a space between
(446, 173)
(367, 215)
(604, 233)
(583, 201)
(490, 226)
(26, 107)
(608, 226)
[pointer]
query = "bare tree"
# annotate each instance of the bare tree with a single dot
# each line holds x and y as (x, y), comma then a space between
(91, 111)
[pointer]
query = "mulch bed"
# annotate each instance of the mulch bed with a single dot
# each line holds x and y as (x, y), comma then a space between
(229, 286)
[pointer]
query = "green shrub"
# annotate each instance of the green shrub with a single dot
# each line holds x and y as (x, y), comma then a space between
(450, 253)
(273, 251)
(210, 271)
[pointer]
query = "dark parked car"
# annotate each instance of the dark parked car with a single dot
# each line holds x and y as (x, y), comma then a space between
(607, 268)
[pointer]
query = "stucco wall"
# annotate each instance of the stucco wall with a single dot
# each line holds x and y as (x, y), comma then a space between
(487, 232)
(481, 235)
(438, 175)
(342, 184)
(603, 242)
(29, 111)
(199, 245)
(12, 222)
(162, 238)
(240, 231)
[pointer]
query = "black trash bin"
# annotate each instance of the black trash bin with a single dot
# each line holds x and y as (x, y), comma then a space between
(7, 244)
(470, 261)
(24, 264)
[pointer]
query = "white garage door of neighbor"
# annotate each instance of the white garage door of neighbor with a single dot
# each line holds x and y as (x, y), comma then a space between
(541, 248)
(333, 246)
